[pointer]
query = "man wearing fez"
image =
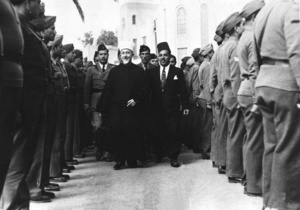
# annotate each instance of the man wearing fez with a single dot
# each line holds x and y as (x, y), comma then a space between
(277, 54)
(94, 82)
(166, 84)
(220, 129)
(16, 194)
(204, 101)
(145, 58)
(254, 145)
(61, 86)
(230, 79)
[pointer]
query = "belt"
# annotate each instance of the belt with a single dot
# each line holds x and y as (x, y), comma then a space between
(96, 90)
(274, 62)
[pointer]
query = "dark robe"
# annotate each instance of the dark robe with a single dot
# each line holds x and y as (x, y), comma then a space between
(125, 82)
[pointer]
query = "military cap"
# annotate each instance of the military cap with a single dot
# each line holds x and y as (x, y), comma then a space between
(207, 49)
(251, 7)
(153, 56)
(219, 31)
(163, 46)
(195, 53)
(49, 21)
(78, 53)
(68, 47)
(57, 41)
(144, 48)
(38, 24)
(126, 45)
(102, 47)
(231, 22)
(190, 62)
(185, 59)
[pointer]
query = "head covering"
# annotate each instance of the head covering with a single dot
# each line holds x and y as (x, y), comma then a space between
(163, 46)
(153, 56)
(207, 49)
(126, 45)
(38, 24)
(78, 53)
(190, 62)
(219, 31)
(57, 41)
(185, 59)
(195, 53)
(251, 7)
(144, 48)
(49, 21)
(102, 47)
(231, 22)
(68, 48)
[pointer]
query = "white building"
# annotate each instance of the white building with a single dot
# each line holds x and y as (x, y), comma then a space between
(184, 24)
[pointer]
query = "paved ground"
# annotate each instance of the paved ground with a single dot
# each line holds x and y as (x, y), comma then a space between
(193, 186)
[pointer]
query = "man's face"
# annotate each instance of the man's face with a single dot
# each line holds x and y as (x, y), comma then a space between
(172, 61)
(145, 55)
(50, 33)
(34, 9)
(164, 58)
(71, 56)
(126, 56)
(103, 56)
(79, 62)
(240, 28)
(154, 62)
(59, 51)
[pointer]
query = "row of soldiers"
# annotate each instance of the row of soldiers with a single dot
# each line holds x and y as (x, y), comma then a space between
(245, 98)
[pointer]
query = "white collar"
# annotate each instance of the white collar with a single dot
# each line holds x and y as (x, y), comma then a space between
(166, 70)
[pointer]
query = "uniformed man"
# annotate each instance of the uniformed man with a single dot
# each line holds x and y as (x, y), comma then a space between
(204, 101)
(61, 87)
(145, 58)
(15, 192)
(230, 78)
(277, 50)
(253, 146)
(11, 81)
(94, 83)
(122, 100)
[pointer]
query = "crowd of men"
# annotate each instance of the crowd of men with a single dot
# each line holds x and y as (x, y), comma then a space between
(237, 105)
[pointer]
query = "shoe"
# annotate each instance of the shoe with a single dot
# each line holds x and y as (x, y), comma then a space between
(40, 199)
(79, 156)
(214, 165)
(69, 167)
(58, 179)
(234, 180)
(72, 162)
(66, 170)
(109, 158)
(221, 170)
(132, 163)
(205, 156)
(119, 165)
(158, 159)
(53, 184)
(252, 194)
(49, 194)
(99, 156)
(51, 188)
(66, 176)
(174, 163)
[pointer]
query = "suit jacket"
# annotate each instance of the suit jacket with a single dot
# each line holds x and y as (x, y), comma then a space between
(166, 103)
(95, 79)
(149, 66)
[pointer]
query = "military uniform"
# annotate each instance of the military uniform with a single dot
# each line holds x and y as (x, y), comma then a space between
(277, 44)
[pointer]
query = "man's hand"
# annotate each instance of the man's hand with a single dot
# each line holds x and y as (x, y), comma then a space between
(186, 112)
(255, 110)
(131, 103)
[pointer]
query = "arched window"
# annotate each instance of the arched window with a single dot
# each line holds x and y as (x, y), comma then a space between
(204, 24)
(181, 21)
(133, 20)
(123, 22)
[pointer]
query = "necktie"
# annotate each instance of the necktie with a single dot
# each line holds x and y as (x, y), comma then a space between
(103, 68)
(163, 79)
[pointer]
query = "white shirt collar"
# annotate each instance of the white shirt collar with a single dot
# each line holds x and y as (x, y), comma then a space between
(166, 69)
(101, 66)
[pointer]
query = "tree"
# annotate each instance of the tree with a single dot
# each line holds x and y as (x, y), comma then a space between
(107, 38)
(88, 39)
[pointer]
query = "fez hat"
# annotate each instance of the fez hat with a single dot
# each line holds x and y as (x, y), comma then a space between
(57, 41)
(144, 48)
(126, 45)
(69, 48)
(49, 21)
(163, 46)
(207, 49)
(251, 7)
(78, 53)
(231, 22)
(185, 59)
(195, 53)
(102, 47)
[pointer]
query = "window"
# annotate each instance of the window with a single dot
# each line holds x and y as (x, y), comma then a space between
(204, 25)
(133, 20)
(181, 21)
(134, 50)
(181, 52)
(144, 40)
